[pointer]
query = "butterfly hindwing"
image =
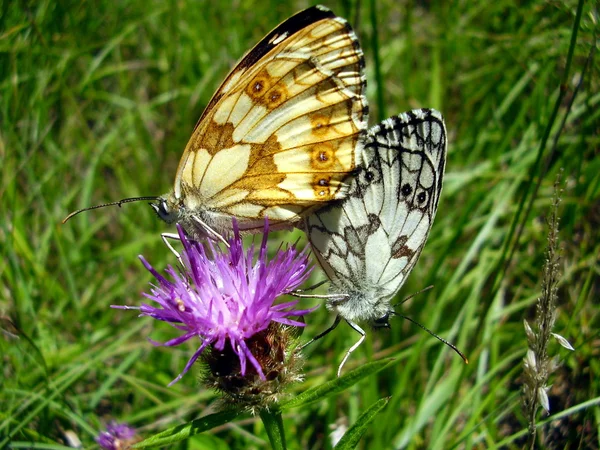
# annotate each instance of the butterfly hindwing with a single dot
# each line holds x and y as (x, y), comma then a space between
(369, 242)
(280, 135)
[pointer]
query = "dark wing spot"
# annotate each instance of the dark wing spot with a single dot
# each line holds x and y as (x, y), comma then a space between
(354, 238)
(406, 190)
(374, 223)
(421, 198)
(400, 249)
(320, 123)
(260, 84)
(320, 182)
(322, 156)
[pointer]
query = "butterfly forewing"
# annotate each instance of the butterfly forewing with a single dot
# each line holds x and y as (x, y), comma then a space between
(280, 135)
(369, 242)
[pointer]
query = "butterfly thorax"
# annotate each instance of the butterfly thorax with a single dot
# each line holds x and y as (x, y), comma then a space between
(368, 305)
(169, 208)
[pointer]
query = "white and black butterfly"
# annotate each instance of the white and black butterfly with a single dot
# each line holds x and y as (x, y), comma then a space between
(368, 243)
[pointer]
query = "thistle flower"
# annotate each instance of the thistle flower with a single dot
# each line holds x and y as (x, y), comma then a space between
(226, 298)
(118, 436)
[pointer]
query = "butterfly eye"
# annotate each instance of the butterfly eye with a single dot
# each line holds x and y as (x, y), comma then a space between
(382, 322)
(406, 190)
(163, 211)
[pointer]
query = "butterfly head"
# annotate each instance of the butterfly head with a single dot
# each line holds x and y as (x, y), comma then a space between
(196, 220)
(167, 208)
(173, 210)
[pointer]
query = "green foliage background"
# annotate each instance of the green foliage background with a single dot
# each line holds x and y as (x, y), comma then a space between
(97, 101)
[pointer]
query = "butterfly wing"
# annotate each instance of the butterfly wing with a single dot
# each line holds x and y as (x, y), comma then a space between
(280, 135)
(369, 242)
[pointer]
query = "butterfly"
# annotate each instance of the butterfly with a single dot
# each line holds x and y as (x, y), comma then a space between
(280, 136)
(368, 243)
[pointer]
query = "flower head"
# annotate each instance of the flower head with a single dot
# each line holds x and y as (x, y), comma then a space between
(118, 436)
(227, 296)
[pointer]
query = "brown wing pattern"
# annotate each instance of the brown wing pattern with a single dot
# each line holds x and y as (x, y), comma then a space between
(280, 135)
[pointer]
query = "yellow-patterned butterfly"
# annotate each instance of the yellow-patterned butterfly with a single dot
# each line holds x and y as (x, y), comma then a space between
(279, 138)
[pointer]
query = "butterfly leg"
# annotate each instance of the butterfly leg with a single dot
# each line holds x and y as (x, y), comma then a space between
(174, 236)
(363, 335)
(327, 331)
(298, 292)
(333, 298)
(210, 233)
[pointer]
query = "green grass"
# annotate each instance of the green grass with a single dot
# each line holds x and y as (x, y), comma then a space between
(97, 102)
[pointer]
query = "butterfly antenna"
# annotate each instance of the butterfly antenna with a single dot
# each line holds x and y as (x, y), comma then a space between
(441, 339)
(413, 295)
(119, 203)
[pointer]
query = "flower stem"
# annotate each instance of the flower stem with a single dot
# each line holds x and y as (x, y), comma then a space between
(274, 425)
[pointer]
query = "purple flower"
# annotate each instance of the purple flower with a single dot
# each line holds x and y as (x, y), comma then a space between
(117, 436)
(226, 296)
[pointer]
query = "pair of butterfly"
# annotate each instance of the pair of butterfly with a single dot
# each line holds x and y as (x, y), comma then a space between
(285, 137)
